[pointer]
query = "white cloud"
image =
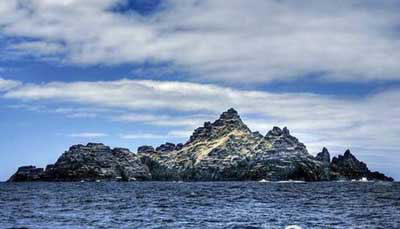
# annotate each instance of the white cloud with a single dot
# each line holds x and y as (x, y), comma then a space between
(243, 41)
(87, 135)
(369, 123)
(191, 121)
(6, 85)
(37, 48)
(82, 115)
(142, 136)
(169, 134)
(180, 133)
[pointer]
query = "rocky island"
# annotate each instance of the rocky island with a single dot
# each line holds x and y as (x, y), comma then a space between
(224, 150)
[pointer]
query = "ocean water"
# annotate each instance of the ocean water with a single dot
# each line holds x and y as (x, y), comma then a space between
(200, 205)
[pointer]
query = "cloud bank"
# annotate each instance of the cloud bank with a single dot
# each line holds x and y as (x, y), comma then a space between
(243, 41)
(362, 123)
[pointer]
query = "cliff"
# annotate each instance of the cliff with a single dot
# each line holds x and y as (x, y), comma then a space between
(220, 151)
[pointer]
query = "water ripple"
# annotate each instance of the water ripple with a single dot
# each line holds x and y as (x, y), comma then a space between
(200, 205)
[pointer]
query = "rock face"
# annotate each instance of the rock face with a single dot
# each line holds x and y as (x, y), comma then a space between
(325, 158)
(89, 163)
(349, 167)
(27, 173)
(223, 150)
(227, 150)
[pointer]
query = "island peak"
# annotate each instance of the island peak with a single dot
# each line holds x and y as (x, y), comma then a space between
(225, 149)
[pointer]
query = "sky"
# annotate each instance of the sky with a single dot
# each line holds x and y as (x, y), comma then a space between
(139, 72)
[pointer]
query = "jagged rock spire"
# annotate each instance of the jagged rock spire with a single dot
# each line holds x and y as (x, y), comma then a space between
(276, 131)
(230, 114)
(348, 153)
(229, 117)
(324, 156)
(227, 122)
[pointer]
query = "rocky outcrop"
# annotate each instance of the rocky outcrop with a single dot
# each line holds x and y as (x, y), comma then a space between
(223, 150)
(89, 162)
(27, 173)
(227, 150)
(349, 167)
(325, 158)
(145, 149)
(169, 147)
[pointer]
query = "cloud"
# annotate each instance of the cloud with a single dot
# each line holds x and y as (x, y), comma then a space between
(169, 134)
(191, 121)
(87, 135)
(37, 48)
(368, 124)
(243, 41)
(142, 136)
(82, 115)
(6, 85)
(180, 133)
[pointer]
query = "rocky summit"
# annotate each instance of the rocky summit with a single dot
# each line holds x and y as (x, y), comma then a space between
(224, 150)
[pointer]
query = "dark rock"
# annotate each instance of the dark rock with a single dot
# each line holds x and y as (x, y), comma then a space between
(145, 149)
(50, 167)
(349, 167)
(89, 163)
(276, 131)
(324, 156)
(286, 131)
(167, 147)
(179, 146)
(121, 150)
(379, 176)
(27, 173)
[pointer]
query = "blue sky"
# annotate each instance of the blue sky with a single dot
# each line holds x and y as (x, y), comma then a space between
(128, 73)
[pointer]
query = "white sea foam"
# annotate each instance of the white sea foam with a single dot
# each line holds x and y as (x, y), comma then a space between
(293, 227)
(291, 181)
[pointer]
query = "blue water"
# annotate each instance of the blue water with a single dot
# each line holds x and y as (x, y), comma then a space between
(200, 205)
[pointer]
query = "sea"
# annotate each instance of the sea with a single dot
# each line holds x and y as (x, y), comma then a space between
(286, 205)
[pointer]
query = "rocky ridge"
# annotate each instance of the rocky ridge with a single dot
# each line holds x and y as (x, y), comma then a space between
(90, 162)
(223, 150)
(349, 167)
